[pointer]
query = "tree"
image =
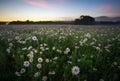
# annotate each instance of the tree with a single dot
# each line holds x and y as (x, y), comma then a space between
(85, 20)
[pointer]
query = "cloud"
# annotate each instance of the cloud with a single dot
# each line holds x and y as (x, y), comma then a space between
(43, 3)
(105, 7)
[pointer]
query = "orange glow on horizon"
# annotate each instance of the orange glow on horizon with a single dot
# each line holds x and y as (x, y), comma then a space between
(9, 19)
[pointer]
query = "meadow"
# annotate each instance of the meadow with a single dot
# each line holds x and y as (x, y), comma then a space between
(59, 52)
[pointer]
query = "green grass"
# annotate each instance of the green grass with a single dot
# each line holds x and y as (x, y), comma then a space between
(94, 49)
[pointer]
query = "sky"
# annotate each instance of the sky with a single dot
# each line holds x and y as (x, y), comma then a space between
(56, 10)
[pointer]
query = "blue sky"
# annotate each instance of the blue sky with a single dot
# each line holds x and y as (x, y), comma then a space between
(47, 10)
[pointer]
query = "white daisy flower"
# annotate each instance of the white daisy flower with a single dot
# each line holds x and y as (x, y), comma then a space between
(46, 48)
(30, 47)
(44, 78)
(17, 73)
(34, 38)
(41, 52)
(23, 70)
(53, 48)
(45, 44)
(37, 74)
(39, 66)
(59, 51)
(10, 44)
(26, 63)
(8, 50)
(17, 38)
(75, 70)
(30, 55)
(51, 73)
(24, 48)
(31, 60)
(40, 60)
(101, 80)
(55, 58)
(47, 60)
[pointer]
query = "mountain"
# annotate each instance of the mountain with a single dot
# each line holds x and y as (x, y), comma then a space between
(106, 18)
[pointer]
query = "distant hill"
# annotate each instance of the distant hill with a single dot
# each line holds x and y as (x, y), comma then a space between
(105, 18)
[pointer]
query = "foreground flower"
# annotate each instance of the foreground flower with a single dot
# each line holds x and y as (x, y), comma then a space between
(67, 50)
(44, 78)
(26, 63)
(51, 73)
(17, 73)
(75, 70)
(39, 66)
(101, 80)
(34, 38)
(10, 44)
(23, 70)
(47, 60)
(8, 50)
(37, 74)
(40, 60)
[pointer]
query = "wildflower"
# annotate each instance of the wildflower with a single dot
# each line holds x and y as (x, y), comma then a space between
(51, 73)
(8, 50)
(17, 73)
(41, 52)
(45, 44)
(39, 66)
(35, 50)
(75, 70)
(22, 70)
(59, 51)
(31, 60)
(78, 60)
(101, 80)
(26, 63)
(24, 48)
(44, 78)
(40, 60)
(69, 62)
(115, 63)
(42, 48)
(55, 58)
(46, 60)
(10, 44)
(37, 74)
(94, 69)
(88, 35)
(91, 56)
(21, 56)
(17, 38)
(76, 47)
(34, 38)
(53, 48)
(30, 55)
(41, 45)
(67, 51)
(47, 48)
(30, 47)
(85, 40)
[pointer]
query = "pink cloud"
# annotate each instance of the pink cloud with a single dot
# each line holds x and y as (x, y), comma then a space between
(105, 7)
(42, 3)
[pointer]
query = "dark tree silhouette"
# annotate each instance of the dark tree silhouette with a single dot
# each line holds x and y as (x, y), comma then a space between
(85, 20)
